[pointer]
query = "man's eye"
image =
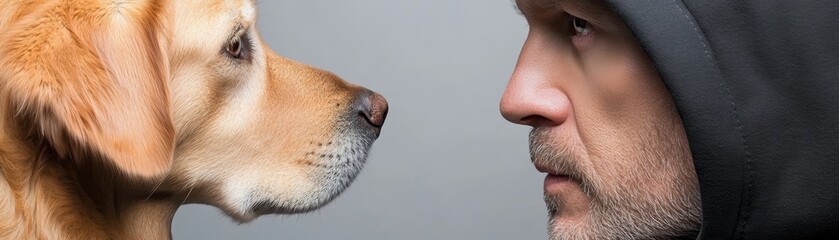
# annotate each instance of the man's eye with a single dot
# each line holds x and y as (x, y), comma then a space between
(581, 26)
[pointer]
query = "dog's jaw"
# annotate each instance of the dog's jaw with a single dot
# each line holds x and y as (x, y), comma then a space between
(334, 166)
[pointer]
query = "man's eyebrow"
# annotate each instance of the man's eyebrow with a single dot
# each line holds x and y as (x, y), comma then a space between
(536, 7)
(595, 11)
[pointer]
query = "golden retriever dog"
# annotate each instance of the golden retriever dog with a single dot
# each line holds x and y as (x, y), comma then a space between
(113, 113)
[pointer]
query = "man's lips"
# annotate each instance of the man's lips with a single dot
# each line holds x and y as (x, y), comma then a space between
(554, 181)
(550, 171)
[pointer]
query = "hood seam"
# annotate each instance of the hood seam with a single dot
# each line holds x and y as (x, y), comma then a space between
(748, 162)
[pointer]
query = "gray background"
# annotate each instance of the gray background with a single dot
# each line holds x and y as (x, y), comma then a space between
(447, 165)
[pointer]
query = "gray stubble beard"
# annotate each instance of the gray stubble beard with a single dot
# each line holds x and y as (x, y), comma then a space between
(628, 215)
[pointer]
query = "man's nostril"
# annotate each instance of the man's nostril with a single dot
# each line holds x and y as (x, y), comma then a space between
(535, 121)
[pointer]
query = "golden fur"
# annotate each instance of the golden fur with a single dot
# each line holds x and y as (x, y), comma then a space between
(115, 112)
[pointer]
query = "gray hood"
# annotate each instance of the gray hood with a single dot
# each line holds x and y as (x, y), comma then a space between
(757, 86)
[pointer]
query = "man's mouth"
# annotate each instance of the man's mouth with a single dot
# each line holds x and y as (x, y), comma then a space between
(544, 169)
(555, 181)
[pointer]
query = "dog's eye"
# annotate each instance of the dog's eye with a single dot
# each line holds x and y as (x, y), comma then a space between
(239, 48)
(234, 49)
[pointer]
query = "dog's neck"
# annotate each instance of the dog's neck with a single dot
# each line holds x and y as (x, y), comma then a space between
(46, 197)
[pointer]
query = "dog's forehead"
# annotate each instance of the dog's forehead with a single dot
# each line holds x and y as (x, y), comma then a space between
(248, 10)
(244, 10)
(208, 24)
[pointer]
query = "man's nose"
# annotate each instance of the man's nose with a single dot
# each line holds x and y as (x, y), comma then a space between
(532, 96)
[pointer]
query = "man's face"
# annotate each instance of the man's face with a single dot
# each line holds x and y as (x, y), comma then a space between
(605, 128)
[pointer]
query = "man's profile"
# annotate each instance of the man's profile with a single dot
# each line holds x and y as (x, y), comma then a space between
(670, 119)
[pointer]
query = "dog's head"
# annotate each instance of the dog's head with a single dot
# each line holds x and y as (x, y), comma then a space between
(186, 91)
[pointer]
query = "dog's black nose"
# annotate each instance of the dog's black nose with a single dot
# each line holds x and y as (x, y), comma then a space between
(372, 107)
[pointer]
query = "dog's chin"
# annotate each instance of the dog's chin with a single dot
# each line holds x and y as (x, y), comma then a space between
(327, 180)
(329, 190)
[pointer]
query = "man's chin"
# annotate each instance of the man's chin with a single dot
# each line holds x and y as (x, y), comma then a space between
(578, 218)
(568, 213)
(568, 203)
(562, 228)
(561, 221)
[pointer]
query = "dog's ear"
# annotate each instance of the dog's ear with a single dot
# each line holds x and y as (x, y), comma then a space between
(94, 80)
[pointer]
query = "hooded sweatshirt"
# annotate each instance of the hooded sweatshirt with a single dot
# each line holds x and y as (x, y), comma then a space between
(757, 86)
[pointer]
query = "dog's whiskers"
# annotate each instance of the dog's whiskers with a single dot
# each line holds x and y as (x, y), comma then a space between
(155, 188)
(187, 194)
